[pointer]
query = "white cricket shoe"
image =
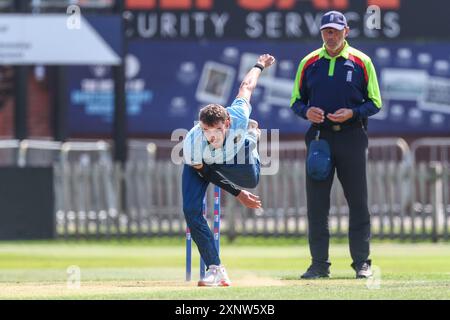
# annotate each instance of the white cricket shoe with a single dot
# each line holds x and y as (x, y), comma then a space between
(216, 276)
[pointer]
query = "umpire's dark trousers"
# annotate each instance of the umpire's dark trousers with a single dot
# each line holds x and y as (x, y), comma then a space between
(349, 153)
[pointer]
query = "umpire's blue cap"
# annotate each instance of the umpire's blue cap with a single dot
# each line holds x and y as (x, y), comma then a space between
(333, 19)
(318, 162)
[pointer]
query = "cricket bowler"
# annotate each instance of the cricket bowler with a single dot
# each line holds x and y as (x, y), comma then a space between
(221, 149)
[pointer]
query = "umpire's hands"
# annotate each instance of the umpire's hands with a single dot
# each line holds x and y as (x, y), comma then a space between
(249, 199)
(340, 115)
(315, 115)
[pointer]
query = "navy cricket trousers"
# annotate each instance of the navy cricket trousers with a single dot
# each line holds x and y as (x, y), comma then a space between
(194, 188)
(349, 153)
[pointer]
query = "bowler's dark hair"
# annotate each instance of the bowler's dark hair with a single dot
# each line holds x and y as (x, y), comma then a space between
(213, 114)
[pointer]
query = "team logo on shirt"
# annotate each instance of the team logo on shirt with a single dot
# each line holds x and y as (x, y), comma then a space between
(349, 63)
(349, 76)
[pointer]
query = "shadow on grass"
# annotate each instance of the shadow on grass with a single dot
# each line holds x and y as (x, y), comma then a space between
(331, 278)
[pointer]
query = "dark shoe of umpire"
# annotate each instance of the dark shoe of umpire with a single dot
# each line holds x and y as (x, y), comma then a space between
(363, 269)
(316, 272)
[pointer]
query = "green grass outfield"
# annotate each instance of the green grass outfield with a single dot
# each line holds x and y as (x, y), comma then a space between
(259, 269)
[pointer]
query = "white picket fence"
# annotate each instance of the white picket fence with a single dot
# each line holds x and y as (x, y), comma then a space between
(95, 197)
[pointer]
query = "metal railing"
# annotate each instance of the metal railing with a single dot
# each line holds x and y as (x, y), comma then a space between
(9, 152)
(408, 190)
(430, 204)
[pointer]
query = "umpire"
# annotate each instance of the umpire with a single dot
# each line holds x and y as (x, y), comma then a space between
(336, 89)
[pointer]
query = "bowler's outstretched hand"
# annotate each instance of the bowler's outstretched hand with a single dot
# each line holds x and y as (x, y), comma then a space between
(266, 60)
(249, 200)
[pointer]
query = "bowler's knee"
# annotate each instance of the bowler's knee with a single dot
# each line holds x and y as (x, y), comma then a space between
(190, 213)
(197, 166)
